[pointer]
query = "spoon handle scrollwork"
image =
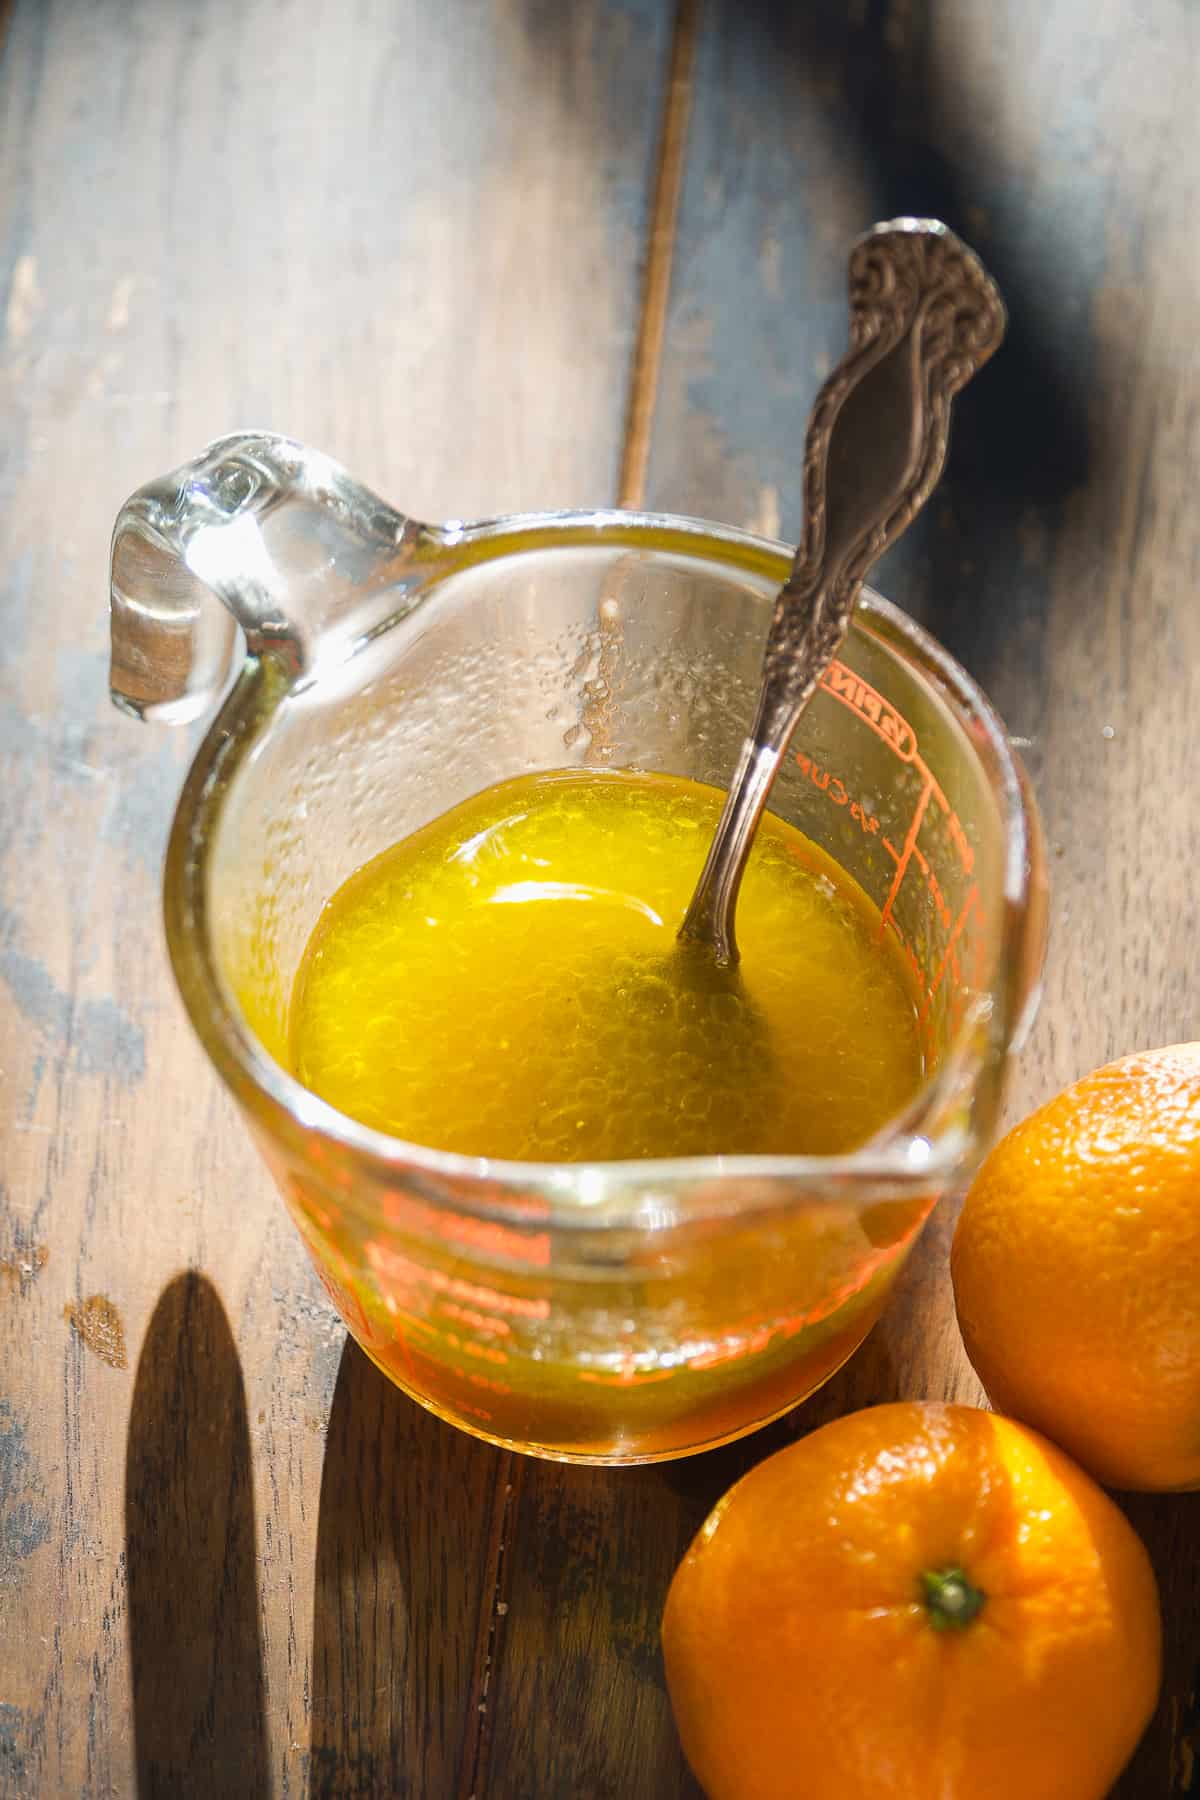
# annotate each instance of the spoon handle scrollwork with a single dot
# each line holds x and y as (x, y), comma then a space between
(924, 317)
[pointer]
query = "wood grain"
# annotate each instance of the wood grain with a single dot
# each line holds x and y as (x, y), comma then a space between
(402, 1595)
(671, 162)
(1058, 564)
(411, 234)
(407, 233)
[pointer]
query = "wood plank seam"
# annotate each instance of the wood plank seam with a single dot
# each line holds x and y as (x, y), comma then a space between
(505, 1502)
(669, 165)
(660, 255)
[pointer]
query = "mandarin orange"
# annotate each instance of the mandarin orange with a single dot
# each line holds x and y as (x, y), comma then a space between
(913, 1601)
(1076, 1267)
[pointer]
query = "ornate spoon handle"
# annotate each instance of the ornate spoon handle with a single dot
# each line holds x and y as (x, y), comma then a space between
(924, 316)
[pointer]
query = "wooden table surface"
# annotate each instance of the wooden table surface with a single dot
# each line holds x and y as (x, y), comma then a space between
(502, 254)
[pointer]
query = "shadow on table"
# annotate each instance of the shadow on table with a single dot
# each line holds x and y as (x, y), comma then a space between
(920, 138)
(1169, 1526)
(405, 1511)
(195, 1650)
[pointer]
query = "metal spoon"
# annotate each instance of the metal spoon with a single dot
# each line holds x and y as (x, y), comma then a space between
(924, 317)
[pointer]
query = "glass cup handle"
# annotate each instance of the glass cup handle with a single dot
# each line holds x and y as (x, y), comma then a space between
(258, 537)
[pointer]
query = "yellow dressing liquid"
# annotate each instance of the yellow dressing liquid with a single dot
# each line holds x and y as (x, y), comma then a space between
(506, 983)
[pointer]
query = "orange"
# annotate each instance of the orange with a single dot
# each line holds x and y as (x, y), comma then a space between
(1076, 1268)
(916, 1601)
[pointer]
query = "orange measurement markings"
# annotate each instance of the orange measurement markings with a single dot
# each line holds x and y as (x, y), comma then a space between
(835, 788)
(940, 904)
(484, 1352)
(393, 1268)
(475, 1412)
(841, 683)
(441, 1380)
(476, 1320)
(486, 1381)
(407, 1214)
(873, 710)
(910, 956)
(905, 856)
(411, 1320)
(971, 900)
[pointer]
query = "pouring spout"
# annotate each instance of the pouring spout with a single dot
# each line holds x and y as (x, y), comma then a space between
(258, 542)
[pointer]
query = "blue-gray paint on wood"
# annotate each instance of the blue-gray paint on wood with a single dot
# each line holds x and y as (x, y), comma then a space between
(94, 1037)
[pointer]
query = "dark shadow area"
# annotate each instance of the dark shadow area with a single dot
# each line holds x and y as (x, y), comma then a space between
(401, 1594)
(973, 568)
(1169, 1526)
(194, 1639)
(588, 1564)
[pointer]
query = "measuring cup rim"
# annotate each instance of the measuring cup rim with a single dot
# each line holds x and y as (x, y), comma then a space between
(604, 1195)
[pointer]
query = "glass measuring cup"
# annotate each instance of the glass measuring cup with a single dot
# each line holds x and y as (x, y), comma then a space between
(607, 1313)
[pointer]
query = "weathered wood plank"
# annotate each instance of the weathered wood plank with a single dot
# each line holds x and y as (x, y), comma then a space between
(464, 189)
(1058, 564)
(407, 233)
(402, 1595)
